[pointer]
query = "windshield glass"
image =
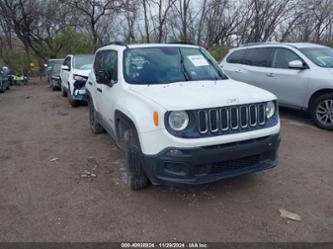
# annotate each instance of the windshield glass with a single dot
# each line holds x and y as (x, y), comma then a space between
(83, 62)
(52, 62)
(159, 65)
(56, 69)
(322, 57)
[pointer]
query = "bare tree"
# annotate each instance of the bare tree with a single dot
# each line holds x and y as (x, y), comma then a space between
(92, 11)
(159, 19)
(34, 23)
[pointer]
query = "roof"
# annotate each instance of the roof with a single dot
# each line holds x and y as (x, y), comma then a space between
(303, 44)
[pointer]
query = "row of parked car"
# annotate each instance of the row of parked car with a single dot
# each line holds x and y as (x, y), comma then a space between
(9, 78)
(179, 117)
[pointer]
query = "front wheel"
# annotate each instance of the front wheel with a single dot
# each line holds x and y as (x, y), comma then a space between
(71, 100)
(2, 88)
(322, 111)
(64, 92)
(136, 177)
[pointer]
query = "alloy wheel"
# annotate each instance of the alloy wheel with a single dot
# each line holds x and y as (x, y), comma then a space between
(324, 112)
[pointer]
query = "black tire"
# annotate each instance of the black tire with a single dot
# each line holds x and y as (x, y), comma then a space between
(64, 92)
(95, 127)
(2, 88)
(8, 87)
(72, 101)
(136, 177)
(317, 111)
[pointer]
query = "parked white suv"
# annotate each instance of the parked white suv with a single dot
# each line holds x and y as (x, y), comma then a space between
(74, 74)
(179, 119)
(299, 74)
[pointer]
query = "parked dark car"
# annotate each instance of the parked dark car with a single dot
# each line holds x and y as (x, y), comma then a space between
(55, 80)
(50, 64)
(4, 81)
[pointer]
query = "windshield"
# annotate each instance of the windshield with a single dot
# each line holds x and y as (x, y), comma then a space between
(83, 62)
(322, 57)
(159, 65)
(56, 69)
(52, 62)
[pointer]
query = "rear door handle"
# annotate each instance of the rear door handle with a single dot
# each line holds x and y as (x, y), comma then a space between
(99, 89)
(239, 71)
(90, 83)
(270, 75)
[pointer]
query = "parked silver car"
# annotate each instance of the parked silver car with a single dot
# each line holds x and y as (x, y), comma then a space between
(299, 74)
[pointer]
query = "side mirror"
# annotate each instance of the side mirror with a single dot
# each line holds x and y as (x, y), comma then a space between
(297, 64)
(65, 67)
(105, 78)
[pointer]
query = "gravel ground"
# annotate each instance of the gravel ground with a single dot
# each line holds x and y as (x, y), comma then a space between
(45, 145)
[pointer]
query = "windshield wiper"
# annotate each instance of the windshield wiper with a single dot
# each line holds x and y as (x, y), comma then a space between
(185, 72)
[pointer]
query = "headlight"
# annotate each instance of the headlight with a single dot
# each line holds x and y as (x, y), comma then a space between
(178, 120)
(270, 109)
(79, 78)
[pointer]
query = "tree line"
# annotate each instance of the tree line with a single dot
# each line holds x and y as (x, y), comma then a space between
(50, 28)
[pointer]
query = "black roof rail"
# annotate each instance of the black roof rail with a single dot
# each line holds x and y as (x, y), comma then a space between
(119, 43)
(181, 42)
(257, 43)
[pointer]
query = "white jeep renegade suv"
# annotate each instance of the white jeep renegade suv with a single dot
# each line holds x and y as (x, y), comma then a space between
(179, 119)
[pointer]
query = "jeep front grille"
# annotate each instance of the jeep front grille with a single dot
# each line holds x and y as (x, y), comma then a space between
(231, 119)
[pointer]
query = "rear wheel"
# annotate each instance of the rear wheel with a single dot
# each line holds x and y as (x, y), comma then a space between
(136, 177)
(322, 111)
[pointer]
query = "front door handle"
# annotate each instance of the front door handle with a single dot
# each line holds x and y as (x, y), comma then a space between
(90, 83)
(99, 89)
(270, 75)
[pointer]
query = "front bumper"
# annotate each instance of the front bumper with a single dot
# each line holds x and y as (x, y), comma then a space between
(56, 83)
(200, 165)
(80, 95)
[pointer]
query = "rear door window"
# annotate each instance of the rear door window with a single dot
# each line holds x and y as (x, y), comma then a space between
(259, 57)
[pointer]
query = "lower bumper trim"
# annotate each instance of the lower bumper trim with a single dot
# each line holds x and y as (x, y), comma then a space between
(179, 166)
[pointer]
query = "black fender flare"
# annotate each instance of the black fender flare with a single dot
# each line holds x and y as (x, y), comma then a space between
(123, 119)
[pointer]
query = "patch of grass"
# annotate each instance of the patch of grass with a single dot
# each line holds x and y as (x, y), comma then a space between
(218, 52)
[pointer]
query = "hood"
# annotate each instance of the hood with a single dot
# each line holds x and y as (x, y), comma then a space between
(82, 72)
(202, 94)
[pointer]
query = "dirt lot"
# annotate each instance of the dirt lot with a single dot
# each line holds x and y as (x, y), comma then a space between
(47, 200)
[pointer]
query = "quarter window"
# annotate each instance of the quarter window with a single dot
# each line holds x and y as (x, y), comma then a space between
(283, 56)
(236, 57)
